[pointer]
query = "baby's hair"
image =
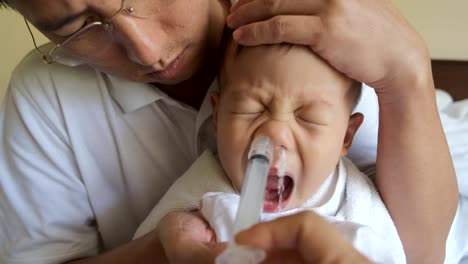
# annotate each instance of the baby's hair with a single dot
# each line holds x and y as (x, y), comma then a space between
(356, 94)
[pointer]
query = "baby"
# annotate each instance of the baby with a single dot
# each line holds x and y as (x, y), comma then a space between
(304, 106)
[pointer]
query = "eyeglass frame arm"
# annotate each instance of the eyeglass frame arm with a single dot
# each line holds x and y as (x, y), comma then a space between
(49, 59)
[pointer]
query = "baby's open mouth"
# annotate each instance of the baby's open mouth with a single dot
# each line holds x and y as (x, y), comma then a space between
(272, 201)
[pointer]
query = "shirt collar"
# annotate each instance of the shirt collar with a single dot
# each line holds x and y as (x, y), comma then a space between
(128, 94)
(133, 95)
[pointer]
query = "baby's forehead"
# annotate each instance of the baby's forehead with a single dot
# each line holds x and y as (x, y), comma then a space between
(285, 66)
(285, 71)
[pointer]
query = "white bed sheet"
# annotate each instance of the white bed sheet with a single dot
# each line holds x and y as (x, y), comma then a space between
(454, 117)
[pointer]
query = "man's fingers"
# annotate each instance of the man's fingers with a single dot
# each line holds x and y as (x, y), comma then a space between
(249, 11)
(197, 253)
(207, 252)
(309, 234)
(302, 30)
(287, 232)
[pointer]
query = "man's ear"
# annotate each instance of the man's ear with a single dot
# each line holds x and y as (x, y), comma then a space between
(355, 121)
(214, 107)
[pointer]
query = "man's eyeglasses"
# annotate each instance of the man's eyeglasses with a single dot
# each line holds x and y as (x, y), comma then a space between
(96, 35)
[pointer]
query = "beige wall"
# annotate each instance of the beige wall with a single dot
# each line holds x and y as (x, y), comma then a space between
(443, 24)
(15, 41)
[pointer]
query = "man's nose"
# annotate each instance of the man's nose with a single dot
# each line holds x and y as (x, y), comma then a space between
(142, 42)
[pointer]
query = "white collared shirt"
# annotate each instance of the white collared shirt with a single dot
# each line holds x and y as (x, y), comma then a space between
(84, 158)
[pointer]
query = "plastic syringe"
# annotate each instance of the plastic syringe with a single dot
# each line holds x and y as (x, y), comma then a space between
(251, 202)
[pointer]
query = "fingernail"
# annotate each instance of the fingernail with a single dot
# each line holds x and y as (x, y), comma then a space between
(230, 21)
(236, 35)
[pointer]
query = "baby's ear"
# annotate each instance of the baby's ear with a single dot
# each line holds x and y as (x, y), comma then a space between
(214, 107)
(355, 121)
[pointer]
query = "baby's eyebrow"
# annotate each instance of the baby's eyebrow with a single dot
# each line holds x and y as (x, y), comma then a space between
(312, 105)
(321, 102)
(242, 94)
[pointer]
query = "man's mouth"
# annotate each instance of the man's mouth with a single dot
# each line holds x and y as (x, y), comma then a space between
(171, 70)
(271, 202)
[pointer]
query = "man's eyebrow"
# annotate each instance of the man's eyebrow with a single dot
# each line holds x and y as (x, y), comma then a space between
(52, 25)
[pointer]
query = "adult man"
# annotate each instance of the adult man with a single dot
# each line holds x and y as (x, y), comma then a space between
(87, 152)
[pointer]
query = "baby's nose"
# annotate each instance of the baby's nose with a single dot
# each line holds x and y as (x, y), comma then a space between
(279, 131)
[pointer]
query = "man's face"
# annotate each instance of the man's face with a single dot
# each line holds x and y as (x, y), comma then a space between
(296, 99)
(168, 45)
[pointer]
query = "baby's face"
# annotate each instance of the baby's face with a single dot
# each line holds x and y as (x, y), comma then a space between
(296, 99)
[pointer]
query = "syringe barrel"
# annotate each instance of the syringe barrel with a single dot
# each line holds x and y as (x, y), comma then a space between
(261, 145)
(253, 192)
(251, 202)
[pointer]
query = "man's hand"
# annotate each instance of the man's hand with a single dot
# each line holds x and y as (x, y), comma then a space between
(368, 40)
(301, 238)
(187, 238)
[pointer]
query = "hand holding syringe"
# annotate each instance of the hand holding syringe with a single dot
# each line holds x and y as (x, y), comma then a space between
(260, 156)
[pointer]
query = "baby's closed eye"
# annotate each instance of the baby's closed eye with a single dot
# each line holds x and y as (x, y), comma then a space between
(312, 117)
(244, 107)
